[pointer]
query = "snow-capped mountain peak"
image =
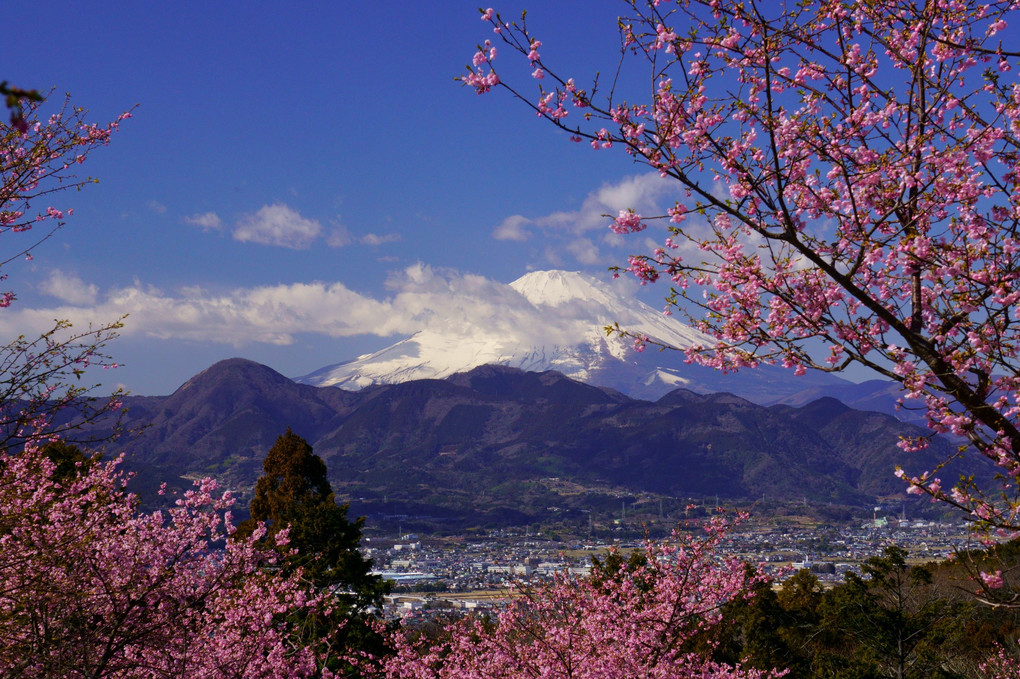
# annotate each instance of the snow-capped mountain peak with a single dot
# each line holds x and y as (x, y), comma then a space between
(555, 321)
(553, 288)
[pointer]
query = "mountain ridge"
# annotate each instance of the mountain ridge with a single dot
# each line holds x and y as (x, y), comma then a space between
(486, 442)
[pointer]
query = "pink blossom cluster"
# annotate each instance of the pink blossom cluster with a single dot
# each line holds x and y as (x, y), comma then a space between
(992, 580)
(478, 78)
(855, 177)
(1005, 665)
(636, 622)
(36, 160)
(92, 588)
(627, 221)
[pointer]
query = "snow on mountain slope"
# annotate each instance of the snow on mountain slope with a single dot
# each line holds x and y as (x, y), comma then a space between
(558, 325)
(600, 306)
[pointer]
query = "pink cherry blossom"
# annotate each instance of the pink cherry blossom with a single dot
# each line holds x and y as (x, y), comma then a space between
(629, 623)
(627, 221)
(92, 588)
(991, 580)
(847, 194)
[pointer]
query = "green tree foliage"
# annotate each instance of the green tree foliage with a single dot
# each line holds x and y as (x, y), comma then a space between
(799, 600)
(615, 567)
(895, 619)
(897, 622)
(294, 494)
(69, 460)
(765, 631)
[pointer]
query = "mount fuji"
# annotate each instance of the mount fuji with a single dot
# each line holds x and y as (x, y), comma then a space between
(555, 320)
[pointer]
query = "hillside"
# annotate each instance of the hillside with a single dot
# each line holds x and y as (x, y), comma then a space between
(500, 445)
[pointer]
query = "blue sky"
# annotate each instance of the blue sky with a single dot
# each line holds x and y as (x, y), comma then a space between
(293, 171)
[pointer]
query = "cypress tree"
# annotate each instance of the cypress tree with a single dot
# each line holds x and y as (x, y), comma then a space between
(294, 493)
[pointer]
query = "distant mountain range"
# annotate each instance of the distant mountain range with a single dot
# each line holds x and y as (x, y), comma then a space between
(498, 445)
(524, 408)
(562, 323)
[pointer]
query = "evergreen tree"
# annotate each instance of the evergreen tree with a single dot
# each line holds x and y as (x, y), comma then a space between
(891, 622)
(69, 460)
(295, 494)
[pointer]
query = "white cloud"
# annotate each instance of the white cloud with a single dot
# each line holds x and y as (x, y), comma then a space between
(641, 193)
(584, 251)
(575, 235)
(376, 240)
(513, 228)
(156, 206)
(265, 314)
(469, 304)
(278, 225)
(69, 288)
(339, 237)
(419, 298)
(552, 255)
(208, 221)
